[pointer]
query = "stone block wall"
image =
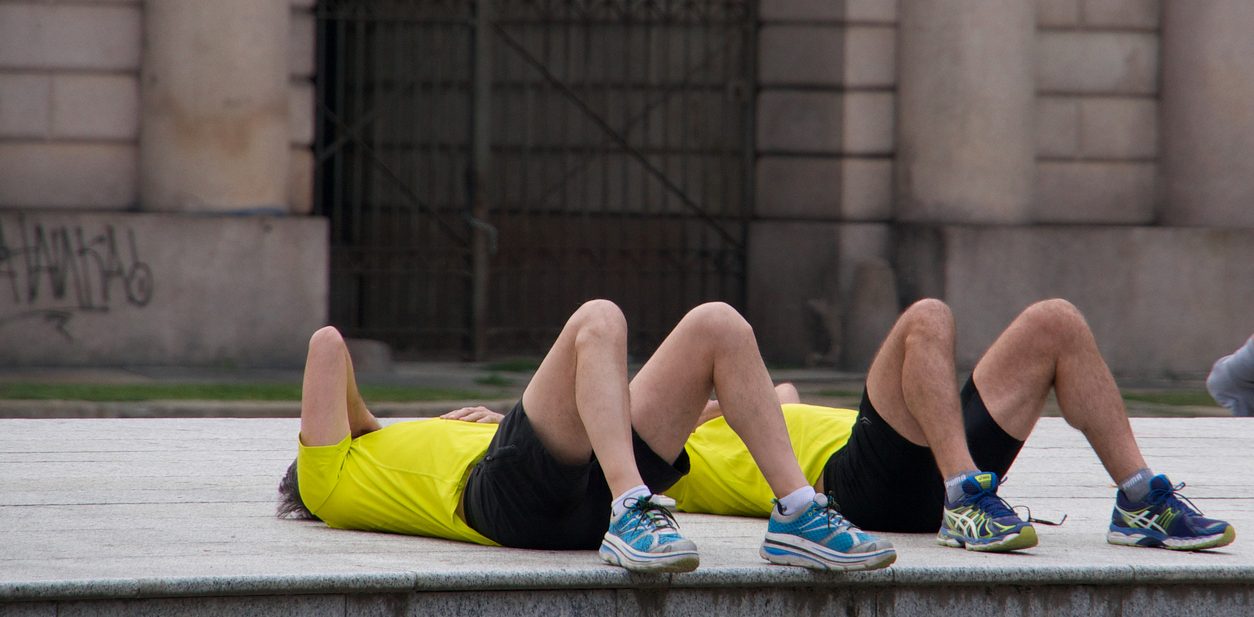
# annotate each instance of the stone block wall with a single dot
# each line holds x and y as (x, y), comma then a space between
(70, 104)
(117, 288)
(1097, 80)
(824, 184)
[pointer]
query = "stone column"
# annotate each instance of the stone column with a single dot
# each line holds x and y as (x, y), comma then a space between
(966, 119)
(1207, 122)
(214, 81)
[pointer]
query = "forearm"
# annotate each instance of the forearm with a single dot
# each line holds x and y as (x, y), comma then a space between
(360, 420)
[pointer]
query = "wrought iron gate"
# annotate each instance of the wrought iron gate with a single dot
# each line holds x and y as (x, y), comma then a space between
(488, 165)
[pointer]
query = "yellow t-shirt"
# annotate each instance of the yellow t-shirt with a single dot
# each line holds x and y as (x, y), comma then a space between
(726, 480)
(405, 478)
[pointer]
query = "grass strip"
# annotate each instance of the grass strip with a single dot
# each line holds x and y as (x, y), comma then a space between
(216, 392)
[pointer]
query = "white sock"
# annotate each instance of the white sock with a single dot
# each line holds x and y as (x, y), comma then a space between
(797, 500)
(953, 485)
(636, 492)
(1137, 485)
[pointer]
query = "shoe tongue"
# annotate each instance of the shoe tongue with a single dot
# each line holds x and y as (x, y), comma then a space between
(1160, 483)
(983, 481)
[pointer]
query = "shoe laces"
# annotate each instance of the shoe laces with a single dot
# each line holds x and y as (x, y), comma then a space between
(991, 503)
(835, 520)
(1171, 497)
(652, 514)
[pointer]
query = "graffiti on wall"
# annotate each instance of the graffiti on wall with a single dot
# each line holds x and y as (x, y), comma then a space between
(52, 272)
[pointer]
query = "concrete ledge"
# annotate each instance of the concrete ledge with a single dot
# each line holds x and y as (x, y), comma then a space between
(746, 579)
(174, 516)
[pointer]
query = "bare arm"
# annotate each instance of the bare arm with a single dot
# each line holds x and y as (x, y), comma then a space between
(482, 415)
(360, 420)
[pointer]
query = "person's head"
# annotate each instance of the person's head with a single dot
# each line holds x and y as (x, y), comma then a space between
(290, 503)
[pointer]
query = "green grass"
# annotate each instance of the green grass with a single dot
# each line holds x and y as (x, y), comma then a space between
(215, 392)
(1192, 398)
(514, 365)
(494, 380)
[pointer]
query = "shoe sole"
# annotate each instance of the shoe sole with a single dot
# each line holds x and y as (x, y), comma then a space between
(790, 550)
(615, 552)
(1125, 536)
(1026, 538)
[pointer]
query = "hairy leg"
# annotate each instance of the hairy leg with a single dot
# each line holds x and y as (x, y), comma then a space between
(330, 405)
(577, 401)
(1049, 345)
(911, 384)
(713, 347)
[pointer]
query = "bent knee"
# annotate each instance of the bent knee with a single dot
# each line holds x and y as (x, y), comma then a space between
(326, 336)
(929, 317)
(599, 319)
(1056, 317)
(719, 319)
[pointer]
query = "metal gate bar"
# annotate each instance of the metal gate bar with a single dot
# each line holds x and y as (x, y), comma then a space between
(604, 148)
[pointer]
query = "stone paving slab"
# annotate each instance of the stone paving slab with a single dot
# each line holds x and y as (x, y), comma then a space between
(141, 508)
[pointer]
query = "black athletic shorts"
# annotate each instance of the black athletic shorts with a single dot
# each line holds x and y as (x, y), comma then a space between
(520, 496)
(882, 482)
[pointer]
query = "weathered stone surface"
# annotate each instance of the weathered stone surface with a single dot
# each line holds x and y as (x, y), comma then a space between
(783, 289)
(53, 36)
(1122, 13)
(25, 101)
(805, 55)
(1057, 13)
(81, 176)
(118, 289)
(1057, 126)
(1161, 301)
(1118, 128)
(1094, 192)
(1207, 127)
(967, 137)
(873, 309)
(1097, 63)
(216, 99)
(95, 107)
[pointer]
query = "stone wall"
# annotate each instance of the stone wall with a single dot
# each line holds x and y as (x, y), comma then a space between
(70, 104)
(112, 111)
(102, 289)
(1097, 80)
(1162, 301)
(824, 183)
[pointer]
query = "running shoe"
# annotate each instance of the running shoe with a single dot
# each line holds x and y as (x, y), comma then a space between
(1165, 519)
(820, 538)
(981, 521)
(645, 538)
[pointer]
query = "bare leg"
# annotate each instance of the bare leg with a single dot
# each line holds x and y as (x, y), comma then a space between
(577, 401)
(911, 384)
(713, 347)
(1050, 345)
(330, 406)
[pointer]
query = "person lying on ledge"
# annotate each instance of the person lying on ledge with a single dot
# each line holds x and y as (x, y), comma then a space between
(919, 455)
(576, 463)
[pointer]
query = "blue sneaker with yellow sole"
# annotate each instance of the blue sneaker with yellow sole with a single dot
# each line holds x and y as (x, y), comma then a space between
(979, 520)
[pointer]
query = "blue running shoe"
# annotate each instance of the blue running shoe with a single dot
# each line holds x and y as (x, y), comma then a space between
(645, 538)
(820, 538)
(981, 521)
(1165, 519)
